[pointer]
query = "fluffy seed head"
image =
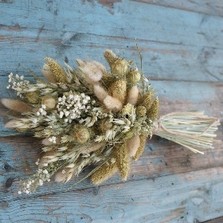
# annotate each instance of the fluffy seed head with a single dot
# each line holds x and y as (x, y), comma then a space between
(81, 134)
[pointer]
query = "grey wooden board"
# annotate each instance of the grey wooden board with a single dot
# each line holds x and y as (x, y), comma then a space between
(182, 50)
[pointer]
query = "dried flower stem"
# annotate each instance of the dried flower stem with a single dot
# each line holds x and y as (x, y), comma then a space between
(193, 130)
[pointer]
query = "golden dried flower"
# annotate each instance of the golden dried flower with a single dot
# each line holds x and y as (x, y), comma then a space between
(154, 110)
(148, 99)
(141, 111)
(128, 109)
(104, 173)
(118, 90)
(123, 161)
(133, 76)
(141, 148)
(56, 70)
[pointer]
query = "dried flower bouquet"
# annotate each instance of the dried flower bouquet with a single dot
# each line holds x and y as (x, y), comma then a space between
(90, 116)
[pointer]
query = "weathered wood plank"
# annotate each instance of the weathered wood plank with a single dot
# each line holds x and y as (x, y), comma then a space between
(205, 6)
(129, 19)
(182, 53)
(185, 199)
(160, 60)
(216, 220)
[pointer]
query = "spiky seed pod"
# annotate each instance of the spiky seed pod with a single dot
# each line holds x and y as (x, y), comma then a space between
(81, 134)
(16, 105)
(140, 111)
(49, 102)
(133, 95)
(105, 125)
(105, 172)
(147, 100)
(57, 71)
(123, 161)
(32, 97)
(141, 148)
(154, 110)
(133, 76)
(133, 144)
(118, 90)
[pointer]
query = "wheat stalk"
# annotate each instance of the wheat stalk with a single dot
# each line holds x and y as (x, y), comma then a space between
(193, 130)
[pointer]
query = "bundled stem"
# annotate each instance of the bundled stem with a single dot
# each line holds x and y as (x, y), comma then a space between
(193, 130)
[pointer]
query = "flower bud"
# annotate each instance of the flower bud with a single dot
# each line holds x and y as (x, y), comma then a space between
(49, 102)
(134, 76)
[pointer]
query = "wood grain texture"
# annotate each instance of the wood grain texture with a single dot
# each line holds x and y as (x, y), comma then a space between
(182, 50)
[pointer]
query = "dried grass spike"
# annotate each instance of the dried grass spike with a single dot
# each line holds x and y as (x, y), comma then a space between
(16, 105)
(148, 99)
(123, 161)
(105, 172)
(118, 90)
(154, 110)
(56, 70)
(141, 148)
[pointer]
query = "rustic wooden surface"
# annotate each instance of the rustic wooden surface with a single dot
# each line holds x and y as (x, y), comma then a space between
(182, 47)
